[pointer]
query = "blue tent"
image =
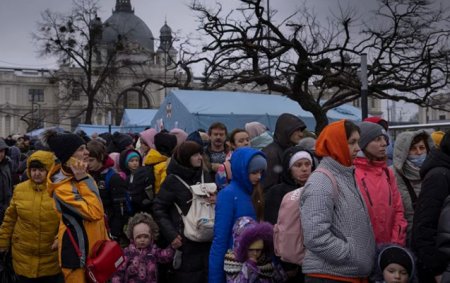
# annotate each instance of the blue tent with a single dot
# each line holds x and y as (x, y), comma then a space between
(138, 117)
(37, 132)
(192, 109)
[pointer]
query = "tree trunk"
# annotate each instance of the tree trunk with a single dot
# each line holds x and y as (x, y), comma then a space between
(89, 109)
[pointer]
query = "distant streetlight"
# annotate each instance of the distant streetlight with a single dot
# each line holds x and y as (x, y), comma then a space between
(364, 86)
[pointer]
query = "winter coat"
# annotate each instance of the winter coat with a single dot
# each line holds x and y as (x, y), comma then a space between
(379, 189)
(194, 266)
(275, 194)
(140, 265)
(159, 163)
(113, 196)
(336, 226)
(285, 126)
(435, 172)
(405, 169)
(233, 202)
(79, 206)
(31, 225)
(6, 182)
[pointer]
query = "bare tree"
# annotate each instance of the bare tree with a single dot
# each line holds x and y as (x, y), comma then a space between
(316, 65)
(86, 64)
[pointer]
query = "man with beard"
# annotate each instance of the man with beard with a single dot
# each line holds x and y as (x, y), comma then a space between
(217, 150)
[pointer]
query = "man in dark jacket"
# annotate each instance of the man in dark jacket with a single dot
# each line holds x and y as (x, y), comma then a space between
(435, 173)
(288, 132)
(6, 182)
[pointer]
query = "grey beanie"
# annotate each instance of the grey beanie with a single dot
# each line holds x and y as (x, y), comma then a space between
(257, 163)
(369, 132)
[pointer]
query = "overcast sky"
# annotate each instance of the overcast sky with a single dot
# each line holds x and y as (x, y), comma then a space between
(18, 20)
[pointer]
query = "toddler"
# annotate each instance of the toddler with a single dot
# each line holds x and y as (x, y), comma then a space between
(251, 259)
(142, 255)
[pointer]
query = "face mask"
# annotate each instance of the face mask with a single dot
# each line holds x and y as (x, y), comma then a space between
(417, 160)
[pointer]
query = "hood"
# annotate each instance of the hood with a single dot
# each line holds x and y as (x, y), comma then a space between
(45, 157)
(435, 158)
(261, 141)
(123, 155)
(286, 174)
(189, 174)
(3, 145)
(402, 145)
(239, 167)
(56, 177)
(14, 154)
(375, 166)
(285, 126)
(246, 231)
(154, 157)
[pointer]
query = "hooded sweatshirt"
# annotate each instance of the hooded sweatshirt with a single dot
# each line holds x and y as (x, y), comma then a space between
(405, 169)
(233, 201)
(286, 125)
(336, 227)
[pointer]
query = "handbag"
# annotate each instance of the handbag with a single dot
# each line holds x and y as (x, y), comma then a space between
(7, 274)
(199, 221)
(106, 257)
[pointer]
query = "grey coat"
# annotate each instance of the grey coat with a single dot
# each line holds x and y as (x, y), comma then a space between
(337, 232)
(401, 151)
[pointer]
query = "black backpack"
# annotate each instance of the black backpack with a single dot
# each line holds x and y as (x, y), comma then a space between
(142, 189)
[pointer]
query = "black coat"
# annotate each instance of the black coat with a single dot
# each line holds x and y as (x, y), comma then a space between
(194, 266)
(443, 236)
(435, 173)
(285, 126)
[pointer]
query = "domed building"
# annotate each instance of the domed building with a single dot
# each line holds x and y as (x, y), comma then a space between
(126, 37)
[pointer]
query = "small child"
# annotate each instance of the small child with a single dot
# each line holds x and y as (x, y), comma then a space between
(142, 255)
(395, 264)
(252, 257)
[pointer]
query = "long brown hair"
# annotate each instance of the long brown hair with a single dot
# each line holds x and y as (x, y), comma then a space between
(258, 201)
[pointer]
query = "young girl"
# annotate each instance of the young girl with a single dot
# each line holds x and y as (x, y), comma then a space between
(251, 257)
(242, 197)
(142, 255)
(395, 265)
(130, 160)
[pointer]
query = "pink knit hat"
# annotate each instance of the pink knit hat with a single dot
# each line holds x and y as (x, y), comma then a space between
(149, 137)
(180, 134)
(255, 129)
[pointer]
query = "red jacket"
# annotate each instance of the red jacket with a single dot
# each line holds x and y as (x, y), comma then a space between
(378, 187)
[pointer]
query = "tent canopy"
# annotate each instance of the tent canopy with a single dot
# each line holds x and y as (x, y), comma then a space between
(138, 117)
(192, 109)
(37, 132)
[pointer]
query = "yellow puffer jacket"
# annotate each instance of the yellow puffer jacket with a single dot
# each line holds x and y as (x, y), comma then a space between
(78, 204)
(159, 163)
(30, 226)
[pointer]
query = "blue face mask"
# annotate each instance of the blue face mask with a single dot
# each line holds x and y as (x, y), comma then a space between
(417, 160)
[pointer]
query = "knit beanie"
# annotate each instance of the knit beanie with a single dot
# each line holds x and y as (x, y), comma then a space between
(121, 141)
(148, 136)
(195, 137)
(165, 143)
(308, 143)
(299, 155)
(63, 145)
(3, 144)
(257, 163)
(437, 137)
(398, 255)
(254, 129)
(369, 132)
(130, 155)
(179, 134)
(184, 152)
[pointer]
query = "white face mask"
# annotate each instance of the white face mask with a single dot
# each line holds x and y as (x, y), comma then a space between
(417, 160)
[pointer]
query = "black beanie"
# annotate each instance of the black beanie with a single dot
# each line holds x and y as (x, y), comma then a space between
(398, 255)
(165, 143)
(63, 145)
(121, 141)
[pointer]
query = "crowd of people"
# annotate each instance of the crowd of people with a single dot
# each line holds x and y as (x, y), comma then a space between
(212, 206)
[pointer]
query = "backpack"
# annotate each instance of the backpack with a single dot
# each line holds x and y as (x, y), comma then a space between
(288, 232)
(122, 175)
(199, 221)
(142, 190)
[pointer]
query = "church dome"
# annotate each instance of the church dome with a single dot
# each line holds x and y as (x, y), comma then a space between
(126, 25)
(165, 30)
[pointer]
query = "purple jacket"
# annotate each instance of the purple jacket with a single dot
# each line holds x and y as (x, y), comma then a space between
(141, 264)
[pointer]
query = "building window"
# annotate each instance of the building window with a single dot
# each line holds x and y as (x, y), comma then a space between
(7, 124)
(76, 93)
(442, 117)
(36, 95)
(7, 94)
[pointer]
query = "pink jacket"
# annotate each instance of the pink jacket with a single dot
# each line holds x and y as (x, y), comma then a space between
(378, 187)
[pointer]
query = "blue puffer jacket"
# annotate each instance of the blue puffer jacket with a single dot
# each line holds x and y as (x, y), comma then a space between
(233, 201)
